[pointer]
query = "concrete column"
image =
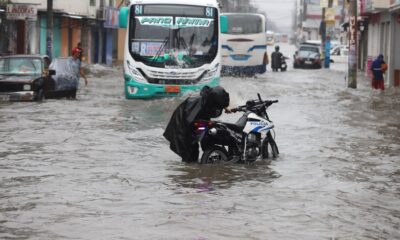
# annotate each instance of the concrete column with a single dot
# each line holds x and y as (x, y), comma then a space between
(109, 46)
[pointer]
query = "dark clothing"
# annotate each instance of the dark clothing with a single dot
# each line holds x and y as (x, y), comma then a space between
(276, 60)
(179, 131)
(376, 69)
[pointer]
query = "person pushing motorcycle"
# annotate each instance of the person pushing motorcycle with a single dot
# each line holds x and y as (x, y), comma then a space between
(209, 104)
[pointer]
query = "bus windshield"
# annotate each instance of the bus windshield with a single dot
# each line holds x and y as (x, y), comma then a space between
(172, 36)
(245, 24)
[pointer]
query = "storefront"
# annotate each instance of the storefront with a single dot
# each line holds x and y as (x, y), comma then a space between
(111, 25)
(394, 64)
(19, 29)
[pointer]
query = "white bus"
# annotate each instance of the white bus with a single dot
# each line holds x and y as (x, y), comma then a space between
(171, 46)
(244, 46)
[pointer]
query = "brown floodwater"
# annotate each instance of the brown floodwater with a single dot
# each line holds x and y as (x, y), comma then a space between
(99, 168)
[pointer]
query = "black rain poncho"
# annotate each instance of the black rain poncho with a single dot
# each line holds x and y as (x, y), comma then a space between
(276, 60)
(179, 131)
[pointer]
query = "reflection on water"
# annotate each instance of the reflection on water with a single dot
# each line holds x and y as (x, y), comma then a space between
(205, 178)
(99, 168)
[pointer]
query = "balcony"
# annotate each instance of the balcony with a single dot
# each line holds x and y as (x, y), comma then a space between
(395, 5)
(375, 6)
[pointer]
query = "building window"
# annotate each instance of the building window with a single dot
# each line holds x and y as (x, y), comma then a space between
(92, 2)
(111, 3)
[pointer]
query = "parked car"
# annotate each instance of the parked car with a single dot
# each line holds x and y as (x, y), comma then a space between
(28, 78)
(66, 83)
(340, 54)
(307, 56)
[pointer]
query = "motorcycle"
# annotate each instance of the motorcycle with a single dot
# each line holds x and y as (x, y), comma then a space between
(244, 141)
(282, 65)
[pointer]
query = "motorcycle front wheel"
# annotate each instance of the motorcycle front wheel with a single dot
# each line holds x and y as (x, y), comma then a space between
(269, 145)
(214, 155)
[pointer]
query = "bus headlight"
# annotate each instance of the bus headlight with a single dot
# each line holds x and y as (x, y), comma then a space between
(210, 74)
(137, 76)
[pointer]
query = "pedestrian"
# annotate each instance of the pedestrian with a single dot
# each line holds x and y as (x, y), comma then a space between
(79, 49)
(74, 65)
(378, 68)
(276, 59)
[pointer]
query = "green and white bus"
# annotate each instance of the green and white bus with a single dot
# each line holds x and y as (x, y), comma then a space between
(171, 46)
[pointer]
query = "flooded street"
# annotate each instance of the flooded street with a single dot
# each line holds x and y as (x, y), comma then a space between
(98, 167)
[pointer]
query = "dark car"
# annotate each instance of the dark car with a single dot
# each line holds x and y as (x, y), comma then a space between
(28, 78)
(307, 56)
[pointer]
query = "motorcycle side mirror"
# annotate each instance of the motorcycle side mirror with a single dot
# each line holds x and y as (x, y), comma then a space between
(250, 103)
(259, 97)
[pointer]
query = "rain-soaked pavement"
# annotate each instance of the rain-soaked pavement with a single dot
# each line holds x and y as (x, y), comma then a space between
(99, 168)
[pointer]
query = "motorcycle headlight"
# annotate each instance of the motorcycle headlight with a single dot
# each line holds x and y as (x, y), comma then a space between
(136, 74)
(210, 74)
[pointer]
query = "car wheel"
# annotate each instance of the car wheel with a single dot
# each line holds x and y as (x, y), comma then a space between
(73, 94)
(39, 95)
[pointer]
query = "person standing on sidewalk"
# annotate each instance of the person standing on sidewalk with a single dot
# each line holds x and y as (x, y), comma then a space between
(378, 68)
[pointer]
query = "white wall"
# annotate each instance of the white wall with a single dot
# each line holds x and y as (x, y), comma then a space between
(78, 7)
(381, 4)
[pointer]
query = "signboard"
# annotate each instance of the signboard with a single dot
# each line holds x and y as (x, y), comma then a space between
(180, 22)
(21, 11)
(330, 16)
(112, 18)
(368, 6)
(362, 7)
(353, 41)
(150, 48)
(193, 22)
(325, 3)
(156, 21)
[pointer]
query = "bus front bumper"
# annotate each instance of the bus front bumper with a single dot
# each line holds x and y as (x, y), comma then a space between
(134, 90)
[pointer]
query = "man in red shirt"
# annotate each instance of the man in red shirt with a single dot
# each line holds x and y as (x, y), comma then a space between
(78, 49)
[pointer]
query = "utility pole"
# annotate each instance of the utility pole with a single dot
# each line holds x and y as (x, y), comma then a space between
(353, 44)
(327, 44)
(322, 31)
(49, 29)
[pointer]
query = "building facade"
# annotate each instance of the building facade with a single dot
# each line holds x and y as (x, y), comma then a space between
(383, 18)
(93, 23)
(394, 61)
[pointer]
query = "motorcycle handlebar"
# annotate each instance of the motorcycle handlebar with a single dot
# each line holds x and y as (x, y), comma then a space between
(243, 108)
